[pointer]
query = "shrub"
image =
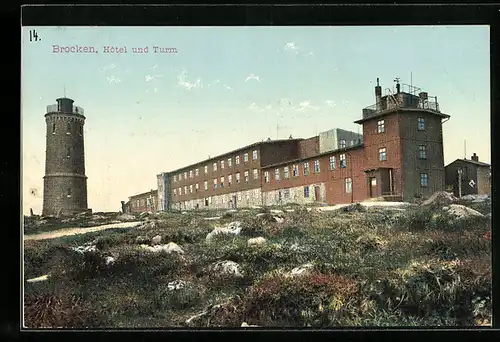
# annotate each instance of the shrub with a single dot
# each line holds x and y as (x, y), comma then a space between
(310, 300)
(187, 297)
(53, 307)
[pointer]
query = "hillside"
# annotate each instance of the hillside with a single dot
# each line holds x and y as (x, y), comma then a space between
(294, 266)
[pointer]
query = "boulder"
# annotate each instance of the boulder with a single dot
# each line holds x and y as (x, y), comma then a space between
(226, 268)
(461, 211)
(176, 285)
(440, 198)
(302, 270)
(232, 228)
(156, 240)
(256, 241)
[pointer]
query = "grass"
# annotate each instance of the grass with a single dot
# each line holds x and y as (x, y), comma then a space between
(371, 268)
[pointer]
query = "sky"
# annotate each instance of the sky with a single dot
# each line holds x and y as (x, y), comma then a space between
(227, 87)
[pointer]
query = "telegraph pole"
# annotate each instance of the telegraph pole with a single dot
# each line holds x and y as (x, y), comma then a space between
(460, 183)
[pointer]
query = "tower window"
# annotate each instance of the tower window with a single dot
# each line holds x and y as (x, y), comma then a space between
(381, 126)
(69, 193)
(68, 128)
(68, 152)
(53, 128)
(81, 130)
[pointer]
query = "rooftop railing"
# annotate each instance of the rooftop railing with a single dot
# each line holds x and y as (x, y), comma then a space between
(392, 103)
(54, 109)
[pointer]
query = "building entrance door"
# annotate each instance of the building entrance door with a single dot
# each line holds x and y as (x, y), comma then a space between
(373, 187)
(317, 194)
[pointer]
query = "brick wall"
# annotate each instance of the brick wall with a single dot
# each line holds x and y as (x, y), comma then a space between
(433, 165)
(373, 141)
(139, 203)
(309, 147)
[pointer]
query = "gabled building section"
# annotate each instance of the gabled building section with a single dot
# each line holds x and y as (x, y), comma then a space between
(468, 177)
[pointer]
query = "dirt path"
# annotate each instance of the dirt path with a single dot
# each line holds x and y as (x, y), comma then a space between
(75, 231)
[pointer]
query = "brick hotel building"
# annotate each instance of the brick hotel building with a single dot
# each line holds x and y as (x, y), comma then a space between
(399, 156)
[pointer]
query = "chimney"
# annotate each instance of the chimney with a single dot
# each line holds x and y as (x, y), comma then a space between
(475, 157)
(378, 96)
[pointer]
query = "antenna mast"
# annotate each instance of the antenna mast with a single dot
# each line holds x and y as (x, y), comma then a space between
(465, 149)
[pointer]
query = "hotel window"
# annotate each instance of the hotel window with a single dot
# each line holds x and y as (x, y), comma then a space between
(255, 174)
(380, 126)
(137, 204)
(266, 176)
(245, 157)
(342, 143)
(205, 185)
(237, 160)
(206, 168)
(316, 166)
(306, 191)
(215, 183)
(68, 152)
(222, 182)
(348, 185)
(229, 180)
(277, 174)
(175, 178)
(180, 191)
(237, 177)
(424, 180)
(175, 192)
(185, 175)
(197, 187)
(246, 176)
(256, 193)
(332, 163)
(53, 128)
(382, 154)
(421, 124)
(287, 193)
(306, 169)
(343, 162)
(191, 174)
(191, 188)
(180, 177)
(68, 128)
(295, 170)
(239, 196)
(222, 164)
(422, 152)
(185, 189)
(197, 172)
(229, 162)
(215, 166)
(286, 175)
(254, 154)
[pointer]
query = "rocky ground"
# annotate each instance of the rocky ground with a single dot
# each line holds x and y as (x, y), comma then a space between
(356, 265)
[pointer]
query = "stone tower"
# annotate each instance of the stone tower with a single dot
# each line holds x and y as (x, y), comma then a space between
(65, 183)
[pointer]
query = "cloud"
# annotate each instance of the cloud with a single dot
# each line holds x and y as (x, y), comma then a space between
(228, 87)
(330, 103)
(284, 102)
(152, 77)
(304, 105)
(254, 108)
(291, 47)
(214, 83)
(112, 79)
(182, 78)
(252, 77)
(311, 53)
(107, 67)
